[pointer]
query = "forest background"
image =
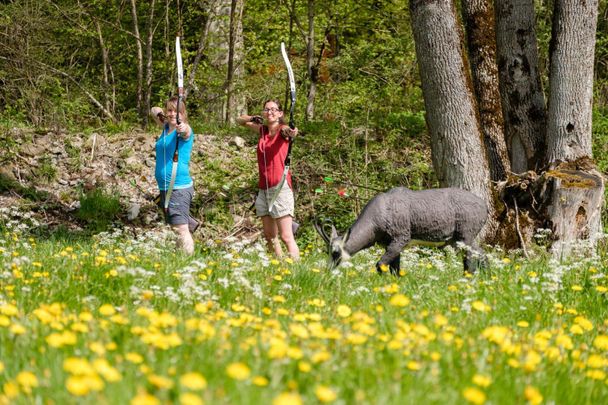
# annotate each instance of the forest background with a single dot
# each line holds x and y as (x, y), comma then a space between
(82, 68)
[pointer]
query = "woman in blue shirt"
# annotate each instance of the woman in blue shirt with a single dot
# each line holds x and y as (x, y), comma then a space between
(179, 187)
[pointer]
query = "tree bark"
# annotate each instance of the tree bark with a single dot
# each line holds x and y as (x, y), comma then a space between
(140, 60)
(456, 140)
(478, 16)
(523, 102)
(109, 101)
(571, 80)
(148, 88)
(234, 104)
(577, 193)
(202, 45)
(310, 62)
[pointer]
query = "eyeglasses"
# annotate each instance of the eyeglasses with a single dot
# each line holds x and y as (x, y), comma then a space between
(274, 110)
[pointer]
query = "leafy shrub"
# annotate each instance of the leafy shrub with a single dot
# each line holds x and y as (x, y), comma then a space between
(98, 209)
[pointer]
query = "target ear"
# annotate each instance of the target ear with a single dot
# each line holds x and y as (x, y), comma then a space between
(345, 237)
(334, 233)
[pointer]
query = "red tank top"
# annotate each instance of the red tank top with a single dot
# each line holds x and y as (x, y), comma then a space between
(271, 151)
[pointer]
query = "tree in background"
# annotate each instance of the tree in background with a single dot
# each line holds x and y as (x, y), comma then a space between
(555, 184)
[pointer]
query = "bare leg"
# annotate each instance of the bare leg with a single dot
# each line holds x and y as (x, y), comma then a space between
(184, 238)
(286, 232)
(270, 234)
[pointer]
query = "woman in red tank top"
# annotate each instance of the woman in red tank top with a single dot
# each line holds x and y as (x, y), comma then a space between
(274, 203)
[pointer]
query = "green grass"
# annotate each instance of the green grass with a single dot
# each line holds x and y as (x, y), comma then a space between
(120, 318)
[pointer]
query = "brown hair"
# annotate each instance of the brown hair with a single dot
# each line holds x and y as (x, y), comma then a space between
(172, 104)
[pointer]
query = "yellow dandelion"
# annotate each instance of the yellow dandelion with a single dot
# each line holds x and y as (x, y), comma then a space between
(134, 358)
(596, 374)
(481, 306)
(482, 380)
(78, 366)
(17, 329)
(576, 330)
(304, 366)
(8, 310)
(523, 324)
(474, 395)
(10, 389)
(601, 289)
(189, 398)
(1, 367)
(325, 394)
(321, 357)
(295, 353)
(109, 373)
(584, 323)
(193, 381)
(576, 287)
(344, 311)
(601, 342)
(260, 381)
(564, 341)
(413, 365)
(160, 382)
(27, 380)
(77, 386)
(288, 398)
(399, 300)
(533, 395)
(145, 399)
(238, 371)
(513, 363)
(596, 361)
(107, 310)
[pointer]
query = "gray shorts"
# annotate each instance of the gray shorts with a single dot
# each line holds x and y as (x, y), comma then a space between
(178, 212)
(283, 205)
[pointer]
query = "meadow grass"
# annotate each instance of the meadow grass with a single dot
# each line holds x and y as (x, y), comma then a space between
(119, 318)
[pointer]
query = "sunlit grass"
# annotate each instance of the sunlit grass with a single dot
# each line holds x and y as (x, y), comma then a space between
(120, 318)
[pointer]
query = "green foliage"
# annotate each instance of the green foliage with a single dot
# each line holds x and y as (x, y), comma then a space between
(9, 185)
(46, 170)
(600, 138)
(98, 209)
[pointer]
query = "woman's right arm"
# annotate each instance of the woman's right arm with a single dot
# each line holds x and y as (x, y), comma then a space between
(158, 115)
(253, 122)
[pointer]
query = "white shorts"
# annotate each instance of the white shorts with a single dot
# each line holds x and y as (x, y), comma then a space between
(283, 205)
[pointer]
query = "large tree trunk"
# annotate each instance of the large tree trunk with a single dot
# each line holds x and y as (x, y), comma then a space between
(478, 18)
(523, 101)
(140, 62)
(578, 189)
(235, 104)
(148, 87)
(456, 140)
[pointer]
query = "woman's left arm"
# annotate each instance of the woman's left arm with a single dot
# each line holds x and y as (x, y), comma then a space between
(184, 131)
(287, 132)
